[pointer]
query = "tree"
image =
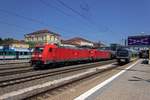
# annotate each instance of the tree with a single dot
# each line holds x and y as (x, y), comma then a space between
(1, 41)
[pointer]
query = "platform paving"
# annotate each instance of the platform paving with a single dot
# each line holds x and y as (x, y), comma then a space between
(134, 84)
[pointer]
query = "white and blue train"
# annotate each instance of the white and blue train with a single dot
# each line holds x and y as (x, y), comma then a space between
(125, 55)
(11, 53)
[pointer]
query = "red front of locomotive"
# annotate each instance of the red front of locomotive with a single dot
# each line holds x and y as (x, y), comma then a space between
(42, 55)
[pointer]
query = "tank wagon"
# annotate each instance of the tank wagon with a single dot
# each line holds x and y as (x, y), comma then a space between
(51, 53)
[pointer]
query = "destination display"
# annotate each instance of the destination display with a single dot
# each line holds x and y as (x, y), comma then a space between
(139, 40)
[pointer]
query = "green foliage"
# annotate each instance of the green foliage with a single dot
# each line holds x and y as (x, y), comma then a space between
(31, 44)
(6, 41)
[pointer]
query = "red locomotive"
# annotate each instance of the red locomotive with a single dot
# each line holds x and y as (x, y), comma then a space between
(51, 53)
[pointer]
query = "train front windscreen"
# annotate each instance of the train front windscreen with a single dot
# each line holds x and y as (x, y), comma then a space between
(39, 49)
(37, 53)
(122, 53)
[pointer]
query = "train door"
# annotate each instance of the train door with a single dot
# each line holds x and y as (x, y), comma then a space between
(49, 54)
(17, 55)
(92, 54)
(53, 54)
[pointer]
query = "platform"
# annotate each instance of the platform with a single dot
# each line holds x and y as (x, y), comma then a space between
(133, 83)
(14, 61)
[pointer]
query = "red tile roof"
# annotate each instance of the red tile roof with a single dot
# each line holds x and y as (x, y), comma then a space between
(43, 31)
(78, 39)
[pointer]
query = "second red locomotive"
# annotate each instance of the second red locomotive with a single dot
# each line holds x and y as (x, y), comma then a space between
(51, 53)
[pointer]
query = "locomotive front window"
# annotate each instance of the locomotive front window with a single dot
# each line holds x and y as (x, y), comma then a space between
(25, 53)
(38, 49)
(122, 53)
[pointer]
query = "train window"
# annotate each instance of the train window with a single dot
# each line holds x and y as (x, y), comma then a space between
(38, 49)
(21, 53)
(9, 53)
(50, 49)
(25, 53)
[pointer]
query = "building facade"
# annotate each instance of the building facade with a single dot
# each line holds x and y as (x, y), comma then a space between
(19, 45)
(16, 44)
(78, 42)
(42, 36)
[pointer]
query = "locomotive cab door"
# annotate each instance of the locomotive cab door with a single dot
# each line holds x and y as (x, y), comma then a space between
(92, 54)
(51, 55)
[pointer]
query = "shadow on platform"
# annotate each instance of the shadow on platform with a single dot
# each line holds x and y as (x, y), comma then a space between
(133, 70)
(135, 78)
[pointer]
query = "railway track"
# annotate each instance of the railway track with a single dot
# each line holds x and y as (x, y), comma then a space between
(23, 94)
(11, 69)
(10, 63)
(16, 71)
(54, 92)
(16, 66)
(24, 77)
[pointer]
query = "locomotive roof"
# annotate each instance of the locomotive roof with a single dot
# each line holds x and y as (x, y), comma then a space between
(76, 47)
(65, 46)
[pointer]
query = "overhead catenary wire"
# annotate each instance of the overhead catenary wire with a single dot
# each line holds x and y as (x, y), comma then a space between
(21, 16)
(33, 20)
(55, 7)
(41, 22)
(73, 10)
(77, 13)
(83, 17)
(15, 25)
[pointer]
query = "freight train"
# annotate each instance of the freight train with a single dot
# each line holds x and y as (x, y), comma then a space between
(51, 54)
(11, 53)
(125, 55)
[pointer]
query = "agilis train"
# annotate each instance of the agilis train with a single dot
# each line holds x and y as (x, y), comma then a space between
(51, 53)
(125, 55)
(12, 53)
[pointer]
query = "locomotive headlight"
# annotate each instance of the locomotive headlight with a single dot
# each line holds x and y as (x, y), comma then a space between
(40, 55)
(33, 55)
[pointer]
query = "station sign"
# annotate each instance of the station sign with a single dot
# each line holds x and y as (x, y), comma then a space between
(139, 40)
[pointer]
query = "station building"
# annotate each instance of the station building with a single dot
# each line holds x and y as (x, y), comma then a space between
(19, 45)
(78, 41)
(41, 37)
(16, 44)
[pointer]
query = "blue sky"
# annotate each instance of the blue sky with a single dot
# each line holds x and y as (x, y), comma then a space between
(108, 21)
